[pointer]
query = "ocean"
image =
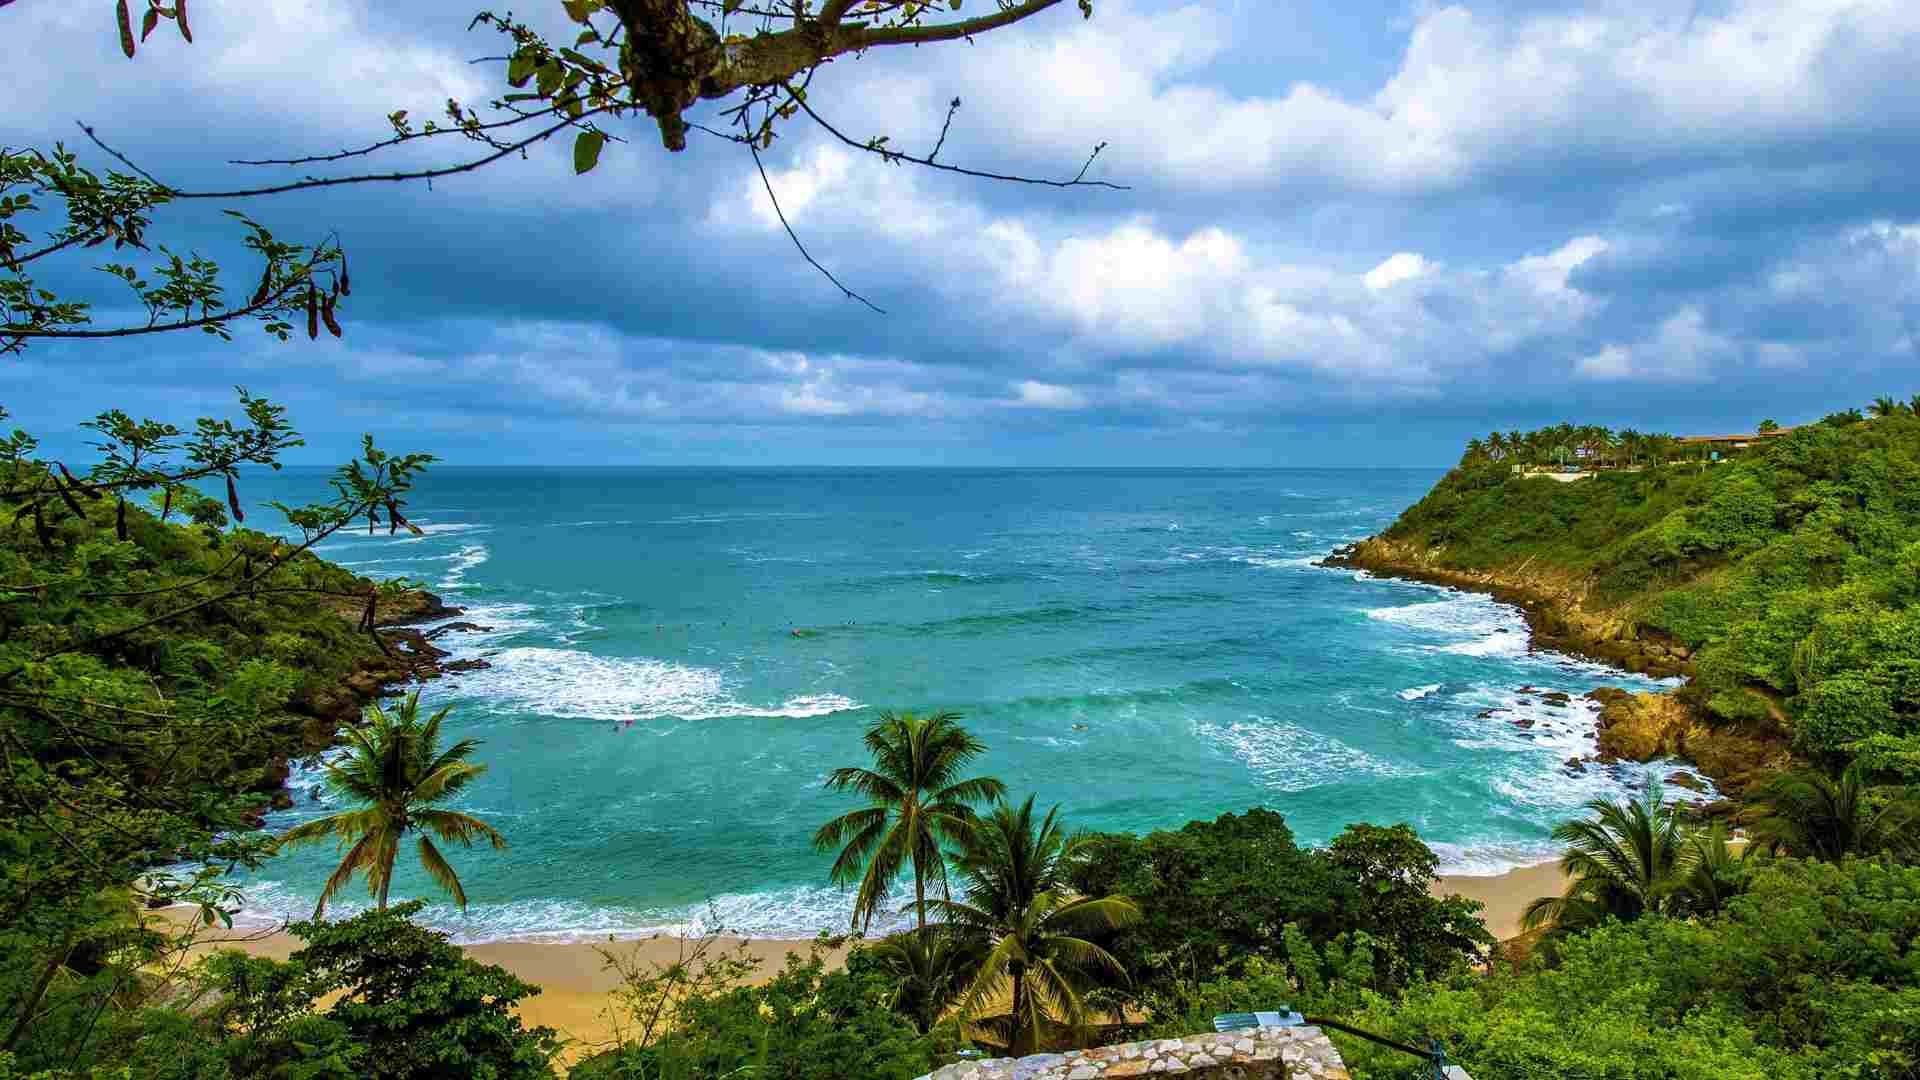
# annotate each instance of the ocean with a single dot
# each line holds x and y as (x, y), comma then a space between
(678, 657)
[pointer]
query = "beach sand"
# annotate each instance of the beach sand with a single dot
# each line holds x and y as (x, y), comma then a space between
(574, 980)
(1505, 895)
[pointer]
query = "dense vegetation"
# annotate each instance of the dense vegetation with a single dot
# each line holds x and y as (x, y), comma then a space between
(1790, 573)
(153, 671)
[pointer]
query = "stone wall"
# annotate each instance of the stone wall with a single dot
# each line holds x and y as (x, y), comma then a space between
(1265, 1053)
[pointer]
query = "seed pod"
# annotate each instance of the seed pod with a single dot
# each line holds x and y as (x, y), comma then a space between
(147, 22)
(166, 505)
(180, 16)
(126, 28)
(266, 286)
(313, 312)
(346, 283)
(67, 497)
(40, 529)
(83, 487)
(366, 617)
(393, 518)
(326, 316)
(233, 500)
(120, 520)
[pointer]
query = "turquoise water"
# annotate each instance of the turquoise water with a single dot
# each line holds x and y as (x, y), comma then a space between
(1142, 647)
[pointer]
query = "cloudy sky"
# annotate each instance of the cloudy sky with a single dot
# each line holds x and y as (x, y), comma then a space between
(1355, 232)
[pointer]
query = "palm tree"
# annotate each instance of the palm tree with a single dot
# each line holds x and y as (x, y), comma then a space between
(1884, 407)
(1018, 904)
(1497, 446)
(1624, 862)
(930, 968)
(395, 768)
(916, 803)
(1816, 816)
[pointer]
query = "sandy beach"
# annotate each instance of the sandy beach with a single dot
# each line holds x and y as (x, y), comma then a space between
(573, 977)
(575, 981)
(1505, 895)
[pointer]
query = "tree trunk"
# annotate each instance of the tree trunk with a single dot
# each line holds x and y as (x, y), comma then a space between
(920, 896)
(32, 1001)
(1018, 1044)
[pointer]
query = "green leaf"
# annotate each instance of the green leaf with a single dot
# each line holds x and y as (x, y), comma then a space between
(586, 150)
(520, 69)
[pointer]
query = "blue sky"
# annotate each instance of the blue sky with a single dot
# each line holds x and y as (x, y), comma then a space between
(1356, 233)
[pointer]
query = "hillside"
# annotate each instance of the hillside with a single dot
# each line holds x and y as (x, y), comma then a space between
(1782, 582)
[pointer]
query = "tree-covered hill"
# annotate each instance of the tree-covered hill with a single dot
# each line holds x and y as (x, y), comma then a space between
(1783, 580)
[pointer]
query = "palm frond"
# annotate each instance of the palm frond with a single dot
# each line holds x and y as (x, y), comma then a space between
(441, 872)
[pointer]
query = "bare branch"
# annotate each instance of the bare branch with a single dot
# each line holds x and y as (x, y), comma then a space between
(1079, 179)
(815, 263)
(365, 178)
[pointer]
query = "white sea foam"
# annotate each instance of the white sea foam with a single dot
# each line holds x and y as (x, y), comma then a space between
(1415, 693)
(1486, 858)
(570, 684)
(794, 913)
(1287, 757)
(468, 557)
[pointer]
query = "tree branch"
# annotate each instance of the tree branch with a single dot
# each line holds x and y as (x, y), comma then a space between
(1079, 179)
(336, 181)
(851, 295)
(864, 36)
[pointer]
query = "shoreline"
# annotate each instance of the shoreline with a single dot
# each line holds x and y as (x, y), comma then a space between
(575, 982)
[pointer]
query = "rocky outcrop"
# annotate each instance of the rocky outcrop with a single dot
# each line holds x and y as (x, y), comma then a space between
(1263, 1053)
(408, 655)
(1554, 602)
(1643, 727)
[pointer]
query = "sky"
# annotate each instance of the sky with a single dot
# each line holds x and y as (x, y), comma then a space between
(1353, 233)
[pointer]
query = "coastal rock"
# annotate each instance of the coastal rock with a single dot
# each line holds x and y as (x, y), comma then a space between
(1574, 766)
(1523, 722)
(1487, 714)
(1641, 727)
(1684, 779)
(1557, 699)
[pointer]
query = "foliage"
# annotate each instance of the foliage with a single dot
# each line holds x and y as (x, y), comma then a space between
(409, 1005)
(140, 700)
(929, 969)
(1811, 972)
(917, 802)
(1791, 569)
(1629, 860)
(178, 291)
(1020, 906)
(1816, 816)
(395, 768)
(1216, 894)
(805, 1023)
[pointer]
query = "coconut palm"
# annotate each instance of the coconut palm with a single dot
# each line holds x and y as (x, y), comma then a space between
(1018, 905)
(917, 804)
(1624, 862)
(1816, 816)
(1884, 407)
(930, 968)
(395, 768)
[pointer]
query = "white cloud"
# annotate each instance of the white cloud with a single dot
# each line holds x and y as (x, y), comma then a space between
(1478, 91)
(1029, 394)
(1684, 348)
(1398, 267)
